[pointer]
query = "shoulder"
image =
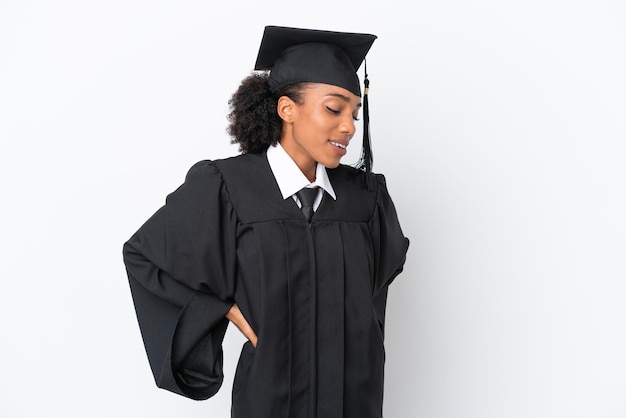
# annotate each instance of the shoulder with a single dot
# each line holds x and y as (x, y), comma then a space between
(357, 194)
(245, 171)
(203, 168)
(368, 188)
(227, 167)
(235, 164)
(357, 181)
(249, 185)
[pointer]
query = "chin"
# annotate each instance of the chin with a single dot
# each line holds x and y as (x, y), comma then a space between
(331, 164)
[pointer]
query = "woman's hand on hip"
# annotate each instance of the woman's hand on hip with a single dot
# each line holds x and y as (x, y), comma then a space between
(235, 316)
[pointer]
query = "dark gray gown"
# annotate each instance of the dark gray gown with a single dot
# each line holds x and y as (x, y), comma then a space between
(314, 293)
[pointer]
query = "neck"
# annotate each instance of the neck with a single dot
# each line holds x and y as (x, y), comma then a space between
(309, 173)
(305, 163)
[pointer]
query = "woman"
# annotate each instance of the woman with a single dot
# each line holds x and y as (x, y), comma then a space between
(304, 278)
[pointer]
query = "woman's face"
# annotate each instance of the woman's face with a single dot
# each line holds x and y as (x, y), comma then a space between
(321, 127)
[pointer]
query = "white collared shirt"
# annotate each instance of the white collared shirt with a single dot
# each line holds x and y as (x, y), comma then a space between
(290, 179)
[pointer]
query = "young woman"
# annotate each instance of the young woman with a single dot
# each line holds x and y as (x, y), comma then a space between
(305, 278)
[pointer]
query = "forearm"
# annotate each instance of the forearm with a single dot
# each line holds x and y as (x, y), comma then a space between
(235, 316)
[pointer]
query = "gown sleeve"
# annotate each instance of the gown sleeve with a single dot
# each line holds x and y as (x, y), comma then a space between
(390, 248)
(181, 269)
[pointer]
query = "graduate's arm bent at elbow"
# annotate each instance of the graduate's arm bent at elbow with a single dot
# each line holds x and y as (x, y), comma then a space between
(182, 329)
(181, 266)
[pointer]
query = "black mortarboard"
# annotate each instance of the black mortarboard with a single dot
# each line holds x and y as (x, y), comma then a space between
(295, 55)
(299, 55)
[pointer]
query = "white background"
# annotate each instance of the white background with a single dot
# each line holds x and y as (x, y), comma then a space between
(501, 128)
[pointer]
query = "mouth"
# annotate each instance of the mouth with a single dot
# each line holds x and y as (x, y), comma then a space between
(338, 145)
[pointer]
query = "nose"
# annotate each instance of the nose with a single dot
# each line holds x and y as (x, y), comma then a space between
(348, 127)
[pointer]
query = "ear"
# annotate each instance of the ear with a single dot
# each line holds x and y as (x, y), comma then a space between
(286, 109)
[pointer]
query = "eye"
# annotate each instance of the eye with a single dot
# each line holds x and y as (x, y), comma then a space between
(333, 111)
(356, 118)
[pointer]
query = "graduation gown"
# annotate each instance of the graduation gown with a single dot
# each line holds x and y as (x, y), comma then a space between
(314, 293)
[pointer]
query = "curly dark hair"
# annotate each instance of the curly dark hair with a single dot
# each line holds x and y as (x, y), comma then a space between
(254, 123)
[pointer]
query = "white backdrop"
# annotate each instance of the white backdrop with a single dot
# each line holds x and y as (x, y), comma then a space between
(501, 128)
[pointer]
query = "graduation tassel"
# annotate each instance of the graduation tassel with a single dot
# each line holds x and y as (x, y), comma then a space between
(365, 161)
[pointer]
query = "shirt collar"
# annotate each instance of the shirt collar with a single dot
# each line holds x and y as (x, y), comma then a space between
(289, 177)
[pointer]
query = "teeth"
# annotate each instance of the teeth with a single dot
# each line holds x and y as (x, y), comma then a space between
(338, 144)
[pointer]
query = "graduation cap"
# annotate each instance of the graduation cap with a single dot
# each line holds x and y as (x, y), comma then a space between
(294, 55)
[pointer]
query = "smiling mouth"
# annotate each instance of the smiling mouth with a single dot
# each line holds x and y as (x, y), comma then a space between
(337, 144)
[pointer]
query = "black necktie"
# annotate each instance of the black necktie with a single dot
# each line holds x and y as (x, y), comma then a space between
(307, 197)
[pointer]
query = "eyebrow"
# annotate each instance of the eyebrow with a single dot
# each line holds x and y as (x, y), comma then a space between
(343, 98)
